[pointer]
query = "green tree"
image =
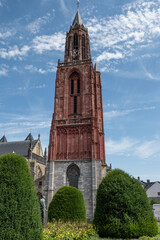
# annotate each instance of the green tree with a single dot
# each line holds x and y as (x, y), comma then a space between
(122, 208)
(67, 205)
(20, 217)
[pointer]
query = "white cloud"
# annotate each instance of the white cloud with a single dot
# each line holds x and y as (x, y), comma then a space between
(1, 4)
(118, 37)
(14, 52)
(49, 43)
(34, 27)
(6, 34)
(3, 70)
(117, 113)
(133, 147)
(49, 68)
(32, 87)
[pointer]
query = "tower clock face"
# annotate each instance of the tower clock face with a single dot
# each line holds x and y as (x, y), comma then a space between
(75, 53)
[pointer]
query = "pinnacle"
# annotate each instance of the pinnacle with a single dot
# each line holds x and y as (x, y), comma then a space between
(96, 68)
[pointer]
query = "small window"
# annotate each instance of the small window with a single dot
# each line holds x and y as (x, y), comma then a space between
(72, 86)
(75, 104)
(78, 86)
(158, 193)
(40, 183)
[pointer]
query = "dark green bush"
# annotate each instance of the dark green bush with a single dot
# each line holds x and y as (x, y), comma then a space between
(20, 217)
(67, 205)
(122, 208)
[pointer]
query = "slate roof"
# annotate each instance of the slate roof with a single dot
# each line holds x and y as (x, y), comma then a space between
(20, 147)
(77, 19)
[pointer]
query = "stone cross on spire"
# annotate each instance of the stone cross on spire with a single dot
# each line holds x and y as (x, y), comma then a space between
(78, 4)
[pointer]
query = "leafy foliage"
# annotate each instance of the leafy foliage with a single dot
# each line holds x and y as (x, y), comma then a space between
(122, 208)
(20, 217)
(67, 205)
(69, 231)
(153, 201)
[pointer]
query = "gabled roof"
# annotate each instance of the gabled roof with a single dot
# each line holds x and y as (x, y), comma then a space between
(29, 137)
(77, 19)
(3, 139)
(20, 147)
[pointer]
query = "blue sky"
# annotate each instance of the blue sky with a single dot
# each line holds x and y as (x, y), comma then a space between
(124, 37)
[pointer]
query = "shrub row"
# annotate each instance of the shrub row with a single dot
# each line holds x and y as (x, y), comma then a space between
(69, 231)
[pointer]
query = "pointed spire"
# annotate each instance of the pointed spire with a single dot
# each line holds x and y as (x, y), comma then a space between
(77, 19)
(96, 68)
(3, 139)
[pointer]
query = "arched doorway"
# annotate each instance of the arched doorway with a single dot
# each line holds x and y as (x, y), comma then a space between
(73, 173)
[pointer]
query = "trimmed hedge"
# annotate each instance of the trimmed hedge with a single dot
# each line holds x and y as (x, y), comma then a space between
(67, 205)
(20, 217)
(122, 208)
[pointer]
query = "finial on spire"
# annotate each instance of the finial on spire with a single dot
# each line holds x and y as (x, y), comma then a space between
(78, 4)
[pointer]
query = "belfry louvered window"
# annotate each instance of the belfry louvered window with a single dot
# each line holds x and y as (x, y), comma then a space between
(75, 47)
(72, 86)
(78, 85)
(83, 47)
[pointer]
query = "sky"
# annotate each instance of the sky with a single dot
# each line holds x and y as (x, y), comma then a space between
(125, 43)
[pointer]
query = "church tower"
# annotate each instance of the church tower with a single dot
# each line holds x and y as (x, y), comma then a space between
(76, 148)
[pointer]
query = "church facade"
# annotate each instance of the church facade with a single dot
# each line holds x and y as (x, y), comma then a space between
(76, 155)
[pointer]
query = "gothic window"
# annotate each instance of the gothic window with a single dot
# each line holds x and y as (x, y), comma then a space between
(73, 174)
(75, 104)
(83, 47)
(75, 47)
(72, 86)
(78, 85)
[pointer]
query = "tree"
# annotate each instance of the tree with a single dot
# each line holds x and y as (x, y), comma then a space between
(67, 205)
(20, 217)
(122, 208)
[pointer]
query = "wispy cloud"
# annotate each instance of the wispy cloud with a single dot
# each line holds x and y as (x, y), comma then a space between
(3, 70)
(39, 44)
(133, 147)
(35, 26)
(1, 4)
(49, 68)
(32, 87)
(48, 43)
(14, 52)
(118, 37)
(117, 113)
(63, 7)
(16, 124)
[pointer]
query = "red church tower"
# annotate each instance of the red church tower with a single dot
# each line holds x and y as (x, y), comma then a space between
(76, 148)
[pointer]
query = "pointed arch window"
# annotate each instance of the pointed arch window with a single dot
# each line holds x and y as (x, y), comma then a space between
(73, 174)
(75, 47)
(72, 86)
(78, 85)
(83, 47)
(75, 104)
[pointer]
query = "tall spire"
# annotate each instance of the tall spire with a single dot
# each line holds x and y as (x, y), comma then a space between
(77, 19)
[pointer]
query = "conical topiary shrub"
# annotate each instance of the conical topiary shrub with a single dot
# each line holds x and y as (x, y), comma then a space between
(67, 205)
(20, 217)
(122, 208)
